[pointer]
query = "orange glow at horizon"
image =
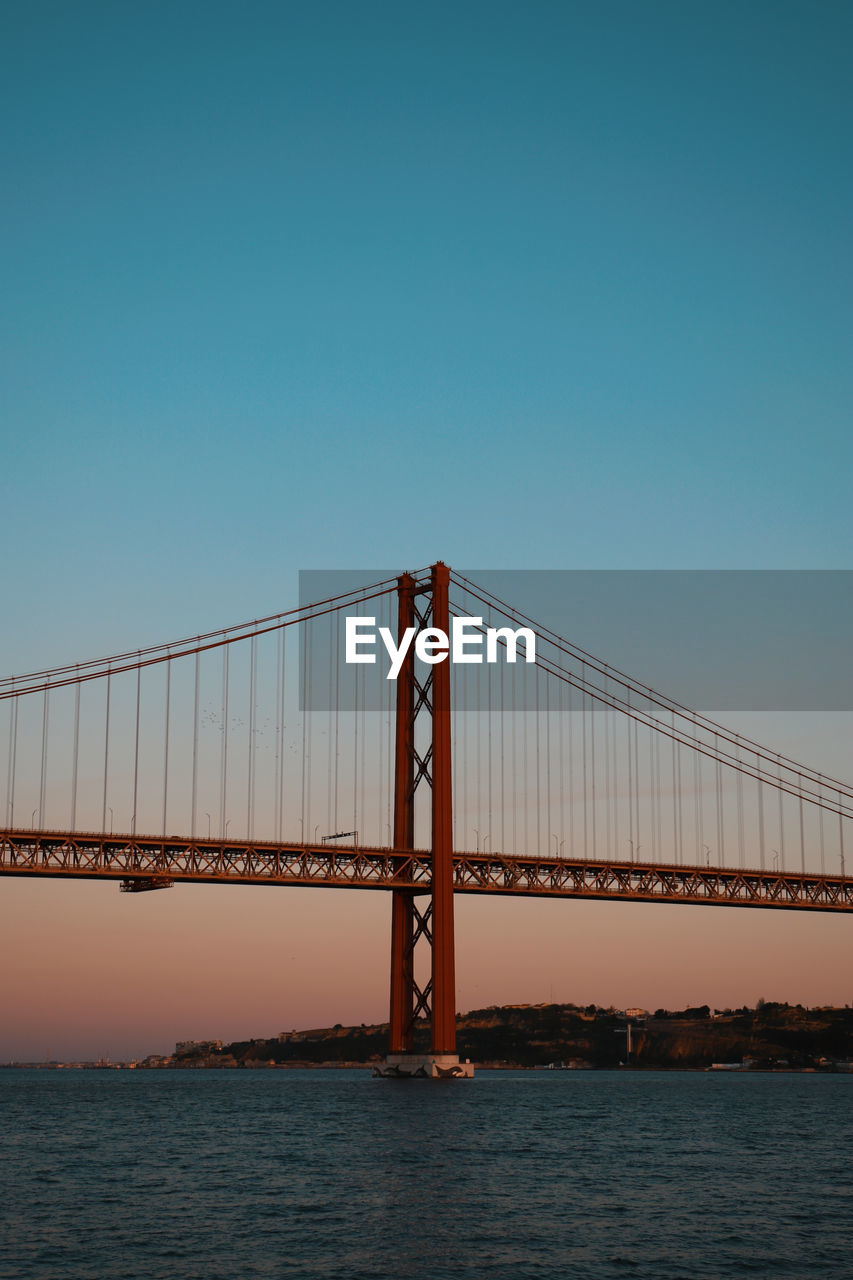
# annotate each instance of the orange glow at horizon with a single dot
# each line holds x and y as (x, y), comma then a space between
(89, 970)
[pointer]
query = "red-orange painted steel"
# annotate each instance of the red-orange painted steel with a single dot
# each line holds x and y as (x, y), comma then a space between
(94, 856)
(402, 915)
(443, 952)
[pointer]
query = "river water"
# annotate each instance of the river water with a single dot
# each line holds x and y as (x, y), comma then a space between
(239, 1174)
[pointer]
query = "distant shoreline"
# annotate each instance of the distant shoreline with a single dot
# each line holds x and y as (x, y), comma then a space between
(772, 1037)
(833, 1069)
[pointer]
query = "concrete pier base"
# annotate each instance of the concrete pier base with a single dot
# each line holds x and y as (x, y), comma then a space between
(424, 1066)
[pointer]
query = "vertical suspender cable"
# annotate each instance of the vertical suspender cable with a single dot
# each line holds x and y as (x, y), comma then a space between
(389, 786)
(700, 802)
(654, 791)
(380, 723)
(571, 787)
(680, 807)
(362, 809)
(335, 822)
(637, 787)
(75, 756)
(592, 713)
(781, 816)
(309, 724)
(136, 749)
(12, 701)
(537, 696)
(276, 790)
(675, 795)
(740, 817)
(459, 732)
(478, 722)
(658, 800)
(455, 695)
(550, 822)
(561, 716)
(514, 679)
(697, 806)
(630, 781)
(282, 711)
(387, 716)
(45, 722)
(380, 773)
(466, 724)
(526, 741)
(615, 744)
(13, 730)
(334, 622)
(503, 760)
(333, 625)
(106, 751)
(355, 759)
(250, 799)
(721, 850)
(583, 758)
(760, 815)
(166, 744)
(489, 674)
(223, 762)
(195, 749)
(13, 737)
(304, 666)
(609, 790)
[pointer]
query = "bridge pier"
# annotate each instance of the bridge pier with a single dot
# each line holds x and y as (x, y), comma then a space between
(424, 1066)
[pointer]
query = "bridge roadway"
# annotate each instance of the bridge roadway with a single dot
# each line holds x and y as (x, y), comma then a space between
(152, 862)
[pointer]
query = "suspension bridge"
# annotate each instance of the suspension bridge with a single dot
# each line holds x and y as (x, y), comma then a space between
(278, 763)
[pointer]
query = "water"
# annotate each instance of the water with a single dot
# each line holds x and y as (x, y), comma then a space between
(594, 1175)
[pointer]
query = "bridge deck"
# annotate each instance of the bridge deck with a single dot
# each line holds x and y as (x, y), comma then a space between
(149, 862)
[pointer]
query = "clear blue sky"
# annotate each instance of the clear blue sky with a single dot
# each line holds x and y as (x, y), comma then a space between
(287, 286)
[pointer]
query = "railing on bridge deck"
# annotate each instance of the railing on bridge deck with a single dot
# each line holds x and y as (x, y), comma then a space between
(149, 862)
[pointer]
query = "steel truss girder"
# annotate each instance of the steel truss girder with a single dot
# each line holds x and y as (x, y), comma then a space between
(65, 854)
(61, 854)
(633, 882)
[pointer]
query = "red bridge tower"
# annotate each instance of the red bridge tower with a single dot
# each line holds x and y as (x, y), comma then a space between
(418, 916)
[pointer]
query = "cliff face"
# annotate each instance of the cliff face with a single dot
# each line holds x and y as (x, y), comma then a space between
(536, 1035)
(771, 1035)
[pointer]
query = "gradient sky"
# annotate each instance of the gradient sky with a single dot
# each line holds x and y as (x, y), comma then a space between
(563, 285)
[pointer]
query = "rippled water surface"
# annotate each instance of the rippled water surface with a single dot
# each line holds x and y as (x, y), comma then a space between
(593, 1175)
